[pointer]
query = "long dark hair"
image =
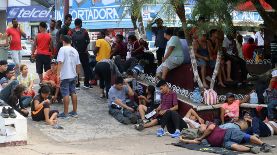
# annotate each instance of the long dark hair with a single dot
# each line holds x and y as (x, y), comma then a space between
(44, 89)
(16, 95)
(151, 90)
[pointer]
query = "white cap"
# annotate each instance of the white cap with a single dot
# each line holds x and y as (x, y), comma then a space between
(274, 73)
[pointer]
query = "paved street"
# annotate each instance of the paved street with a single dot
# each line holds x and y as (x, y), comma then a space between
(95, 132)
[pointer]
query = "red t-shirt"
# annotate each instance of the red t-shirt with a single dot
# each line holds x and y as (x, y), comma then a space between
(168, 100)
(274, 85)
(16, 38)
(43, 42)
(216, 138)
(248, 50)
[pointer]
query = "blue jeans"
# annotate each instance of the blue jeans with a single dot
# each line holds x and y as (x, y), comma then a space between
(259, 128)
(6, 92)
(124, 117)
(26, 100)
(271, 108)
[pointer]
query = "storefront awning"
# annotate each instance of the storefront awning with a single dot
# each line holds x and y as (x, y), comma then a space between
(249, 6)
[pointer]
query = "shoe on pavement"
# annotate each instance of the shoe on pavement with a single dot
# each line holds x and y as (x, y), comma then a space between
(77, 88)
(255, 149)
(160, 132)
(63, 116)
(176, 134)
(11, 113)
(57, 126)
(5, 113)
(86, 87)
(73, 114)
(139, 127)
(266, 147)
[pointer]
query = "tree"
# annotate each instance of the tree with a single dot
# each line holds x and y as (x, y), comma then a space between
(270, 18)
(135, 8)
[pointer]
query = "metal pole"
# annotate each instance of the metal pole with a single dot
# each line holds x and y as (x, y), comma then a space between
(66, 7)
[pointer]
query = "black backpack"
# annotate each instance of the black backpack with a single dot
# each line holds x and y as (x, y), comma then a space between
(79, 40)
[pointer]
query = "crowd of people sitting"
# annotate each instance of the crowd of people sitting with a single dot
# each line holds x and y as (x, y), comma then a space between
(127, 101)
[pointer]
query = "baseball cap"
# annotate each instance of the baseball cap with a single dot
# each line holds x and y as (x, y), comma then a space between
(228, 95)
(274, 73)
(10, 68)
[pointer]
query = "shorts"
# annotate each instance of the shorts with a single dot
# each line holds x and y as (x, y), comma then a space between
(39, 116)
(201, 62)
(68, 86)
(234, 136)
(43, 61)
(16, 56)
(170, 63)
(212, 63)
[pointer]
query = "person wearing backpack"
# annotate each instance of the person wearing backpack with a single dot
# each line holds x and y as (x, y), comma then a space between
(80, 41)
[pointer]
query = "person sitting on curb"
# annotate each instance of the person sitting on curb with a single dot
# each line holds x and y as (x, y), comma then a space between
(173, 56)
(272, 97)
(41, 107)
(229, 139)
(122, 111)
(7, 80)
(17, 100)
(229, 111)
(52, 79)
(169, 103)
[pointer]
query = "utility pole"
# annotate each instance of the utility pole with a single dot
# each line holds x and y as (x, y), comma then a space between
(66, 7)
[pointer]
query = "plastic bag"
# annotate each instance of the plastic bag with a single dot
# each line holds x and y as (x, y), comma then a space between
(210, 97)
(254, 98)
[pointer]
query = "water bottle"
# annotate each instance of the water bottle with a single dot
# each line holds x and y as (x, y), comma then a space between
(157, 96)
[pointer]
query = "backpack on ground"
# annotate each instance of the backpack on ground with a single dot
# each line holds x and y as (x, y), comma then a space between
(79, 40)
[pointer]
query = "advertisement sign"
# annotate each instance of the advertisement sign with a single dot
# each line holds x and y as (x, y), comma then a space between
(103, 14)
(29, 13)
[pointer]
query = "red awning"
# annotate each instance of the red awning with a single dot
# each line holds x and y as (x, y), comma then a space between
(248, 6)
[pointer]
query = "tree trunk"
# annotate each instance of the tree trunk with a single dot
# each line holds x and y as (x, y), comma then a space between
(268, 17)
(66, 7)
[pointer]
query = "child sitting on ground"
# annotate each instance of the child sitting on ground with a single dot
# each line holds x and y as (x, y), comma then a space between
(16, 101)
(146, 103)
(41, 107)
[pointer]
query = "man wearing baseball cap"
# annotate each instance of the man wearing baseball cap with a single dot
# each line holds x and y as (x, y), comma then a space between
(52, 79)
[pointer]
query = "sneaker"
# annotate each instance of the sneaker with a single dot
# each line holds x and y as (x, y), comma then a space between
(63, 116)
(5, 112)
(86, 87)
(266, 147)
(77, 88)
(160, 132)
(255, 149)
(176, 134)
(73, 114)
(57, 126)
(139, 127)
(11, 113)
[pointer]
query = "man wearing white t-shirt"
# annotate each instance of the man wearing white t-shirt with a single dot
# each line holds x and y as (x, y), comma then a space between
(68, 69)
(259, 36)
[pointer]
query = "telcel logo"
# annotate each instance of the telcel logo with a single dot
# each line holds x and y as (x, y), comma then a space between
(34, 13)
(13, 12)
